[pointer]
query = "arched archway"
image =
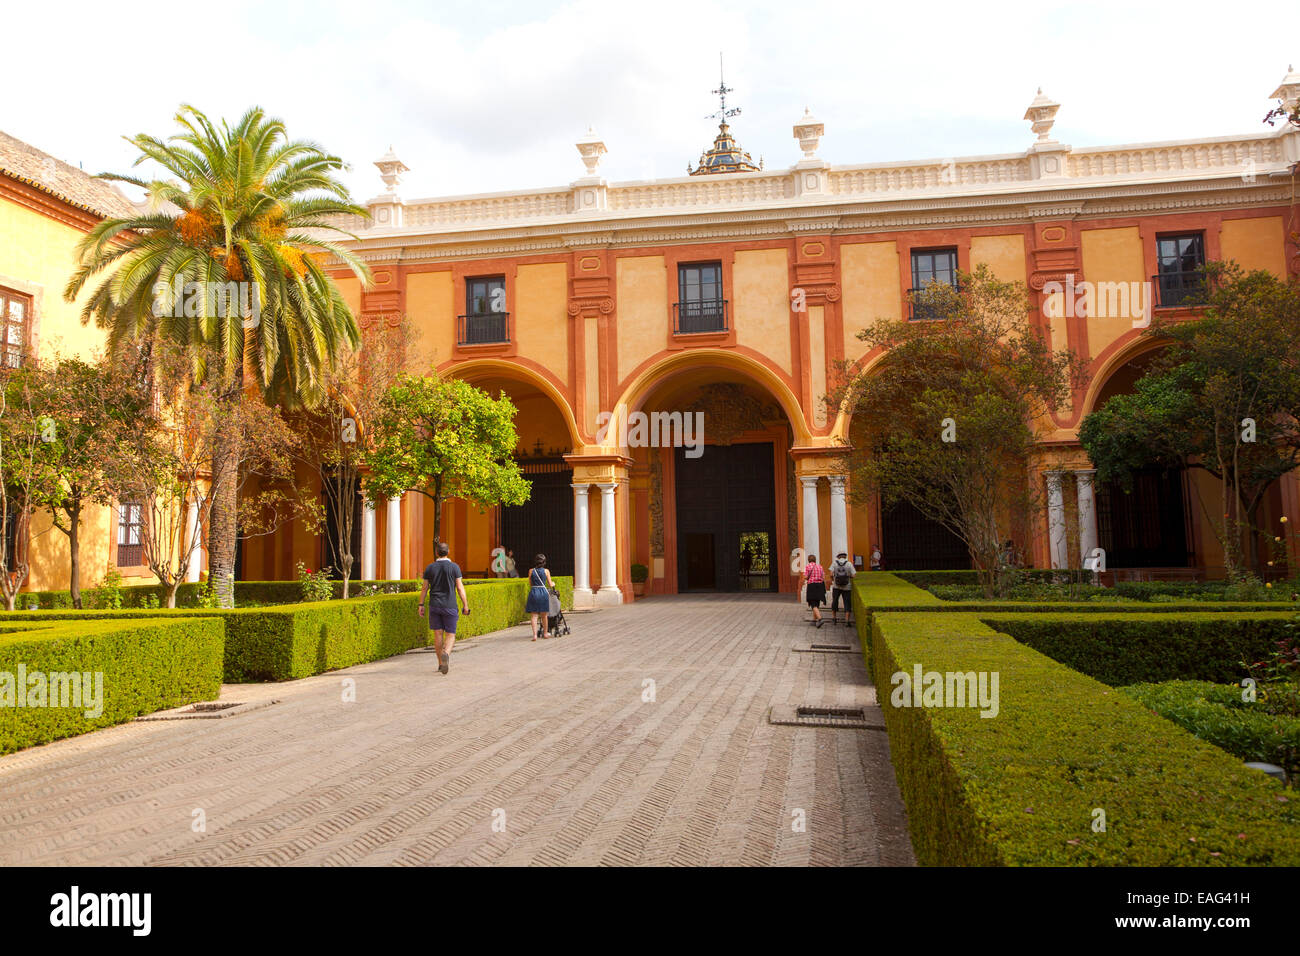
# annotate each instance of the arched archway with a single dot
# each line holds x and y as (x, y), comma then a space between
(1151, 524)
(710, 513)
(547, 431)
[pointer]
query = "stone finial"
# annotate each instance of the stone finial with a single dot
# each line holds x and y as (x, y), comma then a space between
(809, 131)
(591, 147)
(1288, 90)
(1042, 115)
(391, 169)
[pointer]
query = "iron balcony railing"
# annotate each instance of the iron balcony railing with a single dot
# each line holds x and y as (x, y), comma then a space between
(1182, 287)
(919, 311)
(693, 317)
(486, 329)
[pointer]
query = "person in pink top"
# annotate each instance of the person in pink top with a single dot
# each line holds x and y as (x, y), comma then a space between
(814, 575)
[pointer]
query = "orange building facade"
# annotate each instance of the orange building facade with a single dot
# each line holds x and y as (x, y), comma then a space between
(739, 297)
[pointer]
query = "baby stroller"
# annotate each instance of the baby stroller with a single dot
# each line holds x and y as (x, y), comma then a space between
(555, 622)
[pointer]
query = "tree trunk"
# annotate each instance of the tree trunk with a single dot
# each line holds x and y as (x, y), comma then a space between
(171, 593)
(223, 518)
(74, 552)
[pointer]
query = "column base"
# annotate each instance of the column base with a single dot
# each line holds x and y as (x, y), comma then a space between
(583, 598)
(609, 597)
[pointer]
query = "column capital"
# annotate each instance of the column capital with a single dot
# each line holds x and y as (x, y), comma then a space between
(809, 481)
(583, 488)
(838, 483)
(1084, 472)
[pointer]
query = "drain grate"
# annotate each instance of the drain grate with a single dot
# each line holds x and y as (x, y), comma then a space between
(209, 710)
(825, 648)
(818, 715)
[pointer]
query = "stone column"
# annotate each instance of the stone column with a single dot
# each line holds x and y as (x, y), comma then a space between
(582, 596)
(1087, 512)
(839, 519)
(192, 537)
(368, 541)
(609, 592)
(393, 544)
(811, 520)
(1056, 520)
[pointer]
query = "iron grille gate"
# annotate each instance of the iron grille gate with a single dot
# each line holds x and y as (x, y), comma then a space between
(913, 542)
(543, 524)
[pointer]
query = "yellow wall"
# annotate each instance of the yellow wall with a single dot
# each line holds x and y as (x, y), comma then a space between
(1109, 255)
(642, 284)
(1004, 255)
(430, 308)
(869, 272)
(36, 249)
(761, 303)
(541, 324)
(1254, 244)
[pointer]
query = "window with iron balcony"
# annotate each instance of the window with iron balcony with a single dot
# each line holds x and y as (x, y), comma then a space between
(486, 321)
(930, 266)
(1180, 259)
(15, 311)
(700, 306)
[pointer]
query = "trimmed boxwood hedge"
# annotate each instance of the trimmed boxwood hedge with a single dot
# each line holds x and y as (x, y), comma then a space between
(147, 665)
(289, 641)
(1021, 788)
(1133, 648)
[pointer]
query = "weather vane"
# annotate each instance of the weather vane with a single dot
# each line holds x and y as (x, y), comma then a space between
(721, 92)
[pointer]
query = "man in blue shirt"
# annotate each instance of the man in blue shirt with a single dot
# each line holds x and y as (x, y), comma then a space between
(442, 582)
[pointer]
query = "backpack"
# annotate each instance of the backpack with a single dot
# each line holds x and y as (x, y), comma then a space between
(842, 576)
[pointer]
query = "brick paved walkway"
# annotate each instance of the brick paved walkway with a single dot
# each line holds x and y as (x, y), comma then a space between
(550, 741)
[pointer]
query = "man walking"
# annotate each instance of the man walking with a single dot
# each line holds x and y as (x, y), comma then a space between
(442, 582)
(842, 572)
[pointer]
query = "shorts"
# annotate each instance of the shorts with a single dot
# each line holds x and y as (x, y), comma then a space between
(846, 594)
(443, 619)
(816, 594)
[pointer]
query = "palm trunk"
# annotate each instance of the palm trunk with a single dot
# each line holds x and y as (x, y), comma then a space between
(223, 518)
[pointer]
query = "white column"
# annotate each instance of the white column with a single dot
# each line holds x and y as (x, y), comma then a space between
(582, 596)
(609, 592)
(192, 540)
(1056, 520)
(368, 541)
(393, 544)
(839, 520)
(1087, 512)
(811, 522)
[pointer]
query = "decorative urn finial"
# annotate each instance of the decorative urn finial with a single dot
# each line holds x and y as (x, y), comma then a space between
(1042, 115)
(591, 147)
(391, 169)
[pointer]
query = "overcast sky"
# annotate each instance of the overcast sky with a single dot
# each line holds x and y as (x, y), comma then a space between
(492, 94)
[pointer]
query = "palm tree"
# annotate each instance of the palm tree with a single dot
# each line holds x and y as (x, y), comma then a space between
(243, 205)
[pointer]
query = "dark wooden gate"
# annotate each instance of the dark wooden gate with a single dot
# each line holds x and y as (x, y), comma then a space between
(725, 500)
(913, 542)
(543, 524)
(1145, 527)
(330, 550)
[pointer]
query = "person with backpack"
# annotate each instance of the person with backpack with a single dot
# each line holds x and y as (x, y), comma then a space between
(842, 571)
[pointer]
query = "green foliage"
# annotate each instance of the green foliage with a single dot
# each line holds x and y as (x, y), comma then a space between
(1147, 647)
(948, 414)
(444, 439)
(1218, 714)
(640, 573)
(1020, 788)
(147, 665)
(1235, 362)
(108, 594)
(315, 585)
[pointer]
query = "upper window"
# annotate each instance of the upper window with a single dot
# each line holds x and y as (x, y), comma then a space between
(700, 306)
(16, 312)
(928, 267)
(1179, 259)
(130, 541)
(485, 320)
(485, 296)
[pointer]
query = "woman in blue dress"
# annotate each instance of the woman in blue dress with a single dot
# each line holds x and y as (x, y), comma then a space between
(539, 595)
